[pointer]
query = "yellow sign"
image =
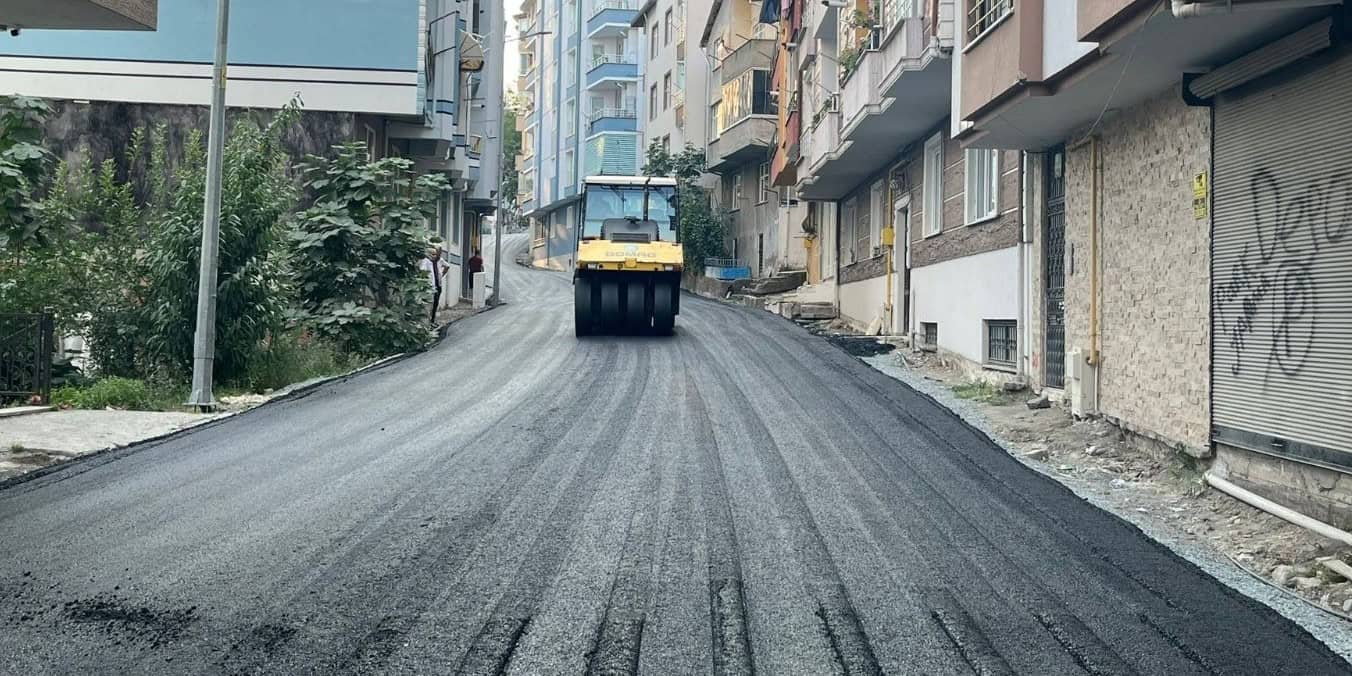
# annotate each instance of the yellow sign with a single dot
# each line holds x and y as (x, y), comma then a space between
(1200, 197)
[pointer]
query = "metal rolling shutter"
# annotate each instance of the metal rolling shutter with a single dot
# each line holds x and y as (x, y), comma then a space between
(1282, 265)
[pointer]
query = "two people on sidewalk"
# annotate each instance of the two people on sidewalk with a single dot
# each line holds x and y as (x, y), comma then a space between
(436, 270)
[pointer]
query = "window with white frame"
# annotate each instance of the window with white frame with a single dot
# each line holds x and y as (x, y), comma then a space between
(569, 168)
(982, 186)
(652, 102)
(666, 91)
(763, 184)
(737, 192)
(877, 215)
(655, 35)
(788, 196)
(863, 229)
(934, 186)
(847, 229)
(667, 26)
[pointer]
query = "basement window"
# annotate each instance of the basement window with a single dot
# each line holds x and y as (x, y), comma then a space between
(1002, 343)
(929, 336)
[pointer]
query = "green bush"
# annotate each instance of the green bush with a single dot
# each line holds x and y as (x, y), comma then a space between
(702, 230)
(23, 167)
(292, 357)
(356, 252)
(251, 297)
(114, 392)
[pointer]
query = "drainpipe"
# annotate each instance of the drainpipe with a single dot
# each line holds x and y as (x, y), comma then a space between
(1094, 197)
(1188, 10)
(1023, 263)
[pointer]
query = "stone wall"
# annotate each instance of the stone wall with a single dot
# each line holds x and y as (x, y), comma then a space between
(1154, 263)
(104, 130)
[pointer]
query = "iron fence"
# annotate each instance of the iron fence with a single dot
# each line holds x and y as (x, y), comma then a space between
(26, 347)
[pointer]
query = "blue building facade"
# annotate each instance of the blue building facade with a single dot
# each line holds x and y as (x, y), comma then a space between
(417, 78)
(581, 83)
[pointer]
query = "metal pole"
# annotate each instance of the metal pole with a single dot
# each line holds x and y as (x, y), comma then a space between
(497, 253)
(204, 342)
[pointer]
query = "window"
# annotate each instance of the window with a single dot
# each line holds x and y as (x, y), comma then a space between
(570, 117)
(667, 25)
(876, 216)
(652, 102)
(982, 185)
(666, 91)
(763, 184)
(929, 336)
(934, 185)
(848, 212)
(652, 48)
(745, 95)
(982, 15)
(1002, 343)
(788, 197)
(569, 168)
(737, 192)
(894, 11)
(666, 144)
(451, 222)
(863, 227)
(370, 144)
(571, 68)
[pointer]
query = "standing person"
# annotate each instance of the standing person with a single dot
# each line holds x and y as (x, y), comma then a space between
(476, 264)
(435, 269)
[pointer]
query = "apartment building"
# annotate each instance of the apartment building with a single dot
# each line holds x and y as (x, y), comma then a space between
(764, 225)
(410, 78)
(583, 119)
(81, 14)
(1187, 196)
(675, 74)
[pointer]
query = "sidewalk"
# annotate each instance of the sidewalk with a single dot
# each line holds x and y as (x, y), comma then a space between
(33, 441)
(40, 439)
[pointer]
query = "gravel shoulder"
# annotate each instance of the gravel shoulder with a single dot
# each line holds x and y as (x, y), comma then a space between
(1162, 496)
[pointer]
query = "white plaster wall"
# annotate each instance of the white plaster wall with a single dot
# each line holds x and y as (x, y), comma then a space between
(861, 302)
(1060, 46)
(959, 294)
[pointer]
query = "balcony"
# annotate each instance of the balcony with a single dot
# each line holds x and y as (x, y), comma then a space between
(819, 146)
(612, 69)
(84, 14)
(898, 92)
(746, 140)
(612, 119)
(612, 18)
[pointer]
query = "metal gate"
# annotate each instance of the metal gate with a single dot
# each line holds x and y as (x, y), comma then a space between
(26, 346)
(1054, 272)
(1282, 264)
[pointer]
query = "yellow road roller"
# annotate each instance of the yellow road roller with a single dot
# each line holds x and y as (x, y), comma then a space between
(629, 259)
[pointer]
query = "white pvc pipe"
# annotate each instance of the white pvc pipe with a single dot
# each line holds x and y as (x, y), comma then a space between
(1309, 523)
(1187, 10)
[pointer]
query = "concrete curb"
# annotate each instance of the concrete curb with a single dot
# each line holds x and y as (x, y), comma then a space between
(288, 393)
(24, 410)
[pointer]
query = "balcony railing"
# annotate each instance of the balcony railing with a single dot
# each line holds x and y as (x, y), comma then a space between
(612, 112)
(603, 5)
(602, 59)
(983, 15)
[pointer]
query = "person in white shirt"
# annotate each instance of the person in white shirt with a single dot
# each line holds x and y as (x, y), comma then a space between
(435, 269)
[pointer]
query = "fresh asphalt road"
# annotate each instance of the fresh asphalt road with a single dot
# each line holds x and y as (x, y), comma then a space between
(741, 497)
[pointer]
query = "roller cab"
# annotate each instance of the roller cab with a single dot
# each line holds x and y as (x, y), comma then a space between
(629, 258)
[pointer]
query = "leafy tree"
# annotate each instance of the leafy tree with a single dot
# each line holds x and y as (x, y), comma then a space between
(23, 165)
(257, 197)
(701, 228)
(356, 252)
(511, 147)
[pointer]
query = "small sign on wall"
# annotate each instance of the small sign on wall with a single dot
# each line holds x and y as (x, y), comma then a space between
(1200, 197)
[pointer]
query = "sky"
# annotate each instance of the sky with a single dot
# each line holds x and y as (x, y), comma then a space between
(513, 65)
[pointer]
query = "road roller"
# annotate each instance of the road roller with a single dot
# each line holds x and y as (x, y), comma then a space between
(627, 276)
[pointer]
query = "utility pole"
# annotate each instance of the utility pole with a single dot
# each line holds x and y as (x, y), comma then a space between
(204, 342)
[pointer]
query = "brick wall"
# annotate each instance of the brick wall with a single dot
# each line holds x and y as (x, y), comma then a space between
(1154, 262)
(959, 239)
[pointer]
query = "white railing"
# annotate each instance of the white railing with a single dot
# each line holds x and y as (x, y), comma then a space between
(822, 138)
(602, 59)
(859, 94)
(603, 5)
(626, 113)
